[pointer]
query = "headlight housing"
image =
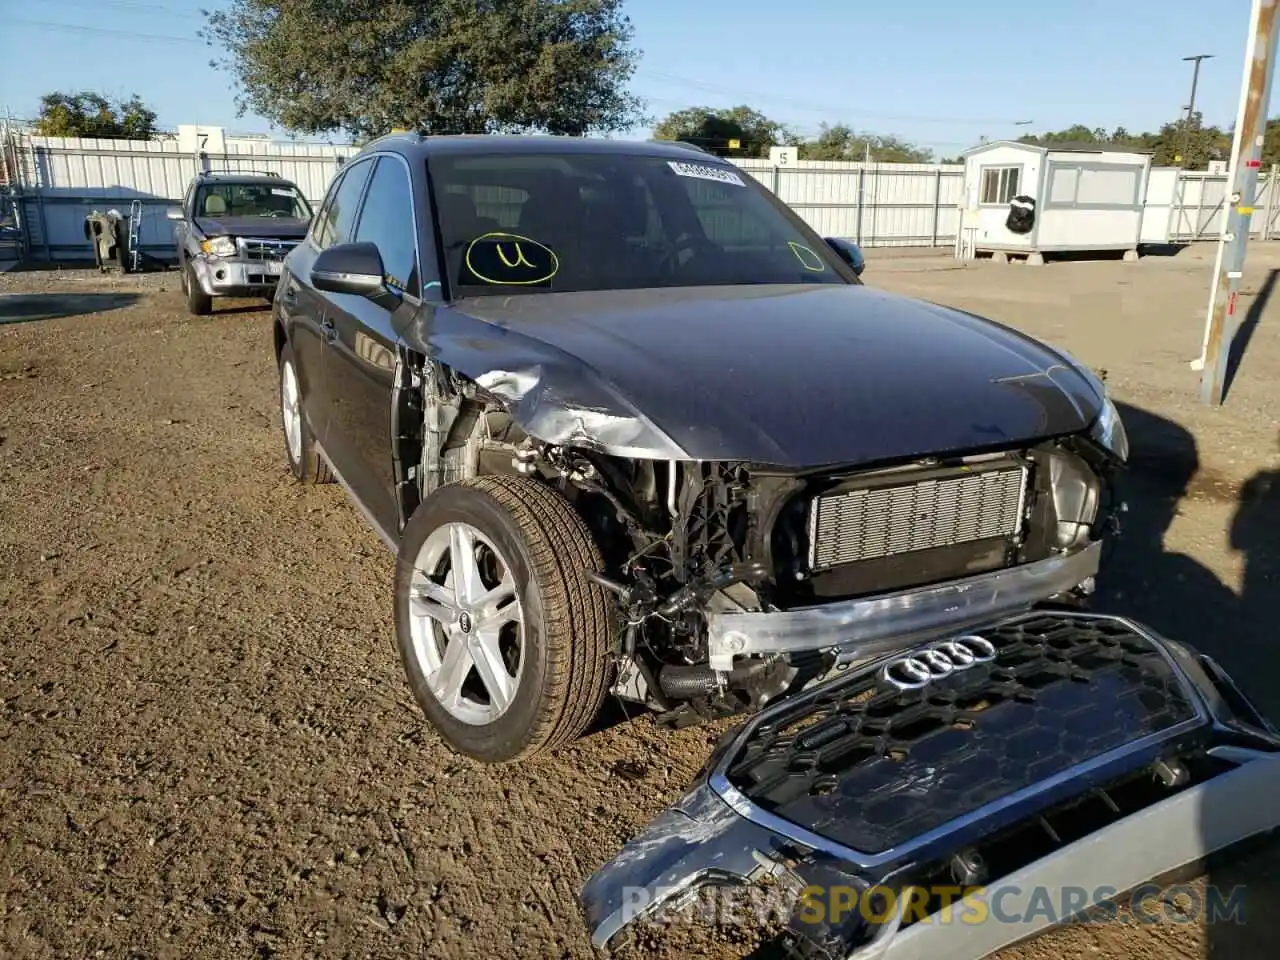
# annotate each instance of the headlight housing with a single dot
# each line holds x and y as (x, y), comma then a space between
(219, 246)
(1109, 430)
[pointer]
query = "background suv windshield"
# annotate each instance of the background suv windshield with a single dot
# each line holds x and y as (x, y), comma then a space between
(561, 222)
(250, 200)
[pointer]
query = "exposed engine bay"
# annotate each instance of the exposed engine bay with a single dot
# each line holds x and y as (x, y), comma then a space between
(738, 582)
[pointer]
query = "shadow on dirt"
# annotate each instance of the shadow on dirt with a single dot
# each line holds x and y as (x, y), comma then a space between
(1255, 532)
(28, 307)
(1244, 333)
(1175, 593)
(1184, 600)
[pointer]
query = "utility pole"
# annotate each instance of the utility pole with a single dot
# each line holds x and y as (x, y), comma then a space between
(1191, 104)
(1246, 152)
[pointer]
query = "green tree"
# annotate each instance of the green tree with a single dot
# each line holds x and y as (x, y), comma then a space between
(714, 128)
(88, 114)
(440, 66)
(841, 142)
(1167, 146)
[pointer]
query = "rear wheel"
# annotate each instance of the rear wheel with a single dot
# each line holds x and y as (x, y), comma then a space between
(199, 303)
(505, 641)
(299, 443)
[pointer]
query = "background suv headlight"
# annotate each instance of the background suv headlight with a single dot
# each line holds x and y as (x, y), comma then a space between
(219, 246)
(1109, 431)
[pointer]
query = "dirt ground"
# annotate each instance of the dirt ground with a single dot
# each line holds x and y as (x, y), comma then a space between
(207, 748)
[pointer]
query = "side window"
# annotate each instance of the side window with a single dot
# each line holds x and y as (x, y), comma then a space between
(319, 224)
(999, 184)
(340, 211)
(386, 220)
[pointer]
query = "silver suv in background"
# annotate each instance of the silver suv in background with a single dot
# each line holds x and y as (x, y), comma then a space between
(232, 234)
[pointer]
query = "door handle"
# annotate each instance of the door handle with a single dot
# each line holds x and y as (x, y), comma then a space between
(330, 330)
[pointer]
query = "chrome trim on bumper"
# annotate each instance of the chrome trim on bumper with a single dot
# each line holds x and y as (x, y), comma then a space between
(1155, 842)
(236, 274)
(876, 625)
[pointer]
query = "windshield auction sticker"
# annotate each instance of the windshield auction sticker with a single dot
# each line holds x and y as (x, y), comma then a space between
(704, 171)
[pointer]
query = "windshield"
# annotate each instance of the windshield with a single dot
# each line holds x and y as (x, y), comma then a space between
(512, 223)
(251, 200)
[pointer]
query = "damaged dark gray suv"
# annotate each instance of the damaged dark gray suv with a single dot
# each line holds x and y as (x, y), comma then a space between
(631, 427)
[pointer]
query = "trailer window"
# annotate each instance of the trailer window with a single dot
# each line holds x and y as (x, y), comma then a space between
(999, 184)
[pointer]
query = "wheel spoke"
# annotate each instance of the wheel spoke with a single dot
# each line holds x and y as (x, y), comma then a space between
(497, 606)
(429, 599)
(493, 671)
(462, 558)
(454, 667)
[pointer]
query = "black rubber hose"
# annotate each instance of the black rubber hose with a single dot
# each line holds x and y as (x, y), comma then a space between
(685, 681)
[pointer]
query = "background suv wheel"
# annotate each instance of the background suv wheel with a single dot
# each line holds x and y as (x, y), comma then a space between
(199, 303)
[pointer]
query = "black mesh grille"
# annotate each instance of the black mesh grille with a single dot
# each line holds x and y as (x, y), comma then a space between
(873, 767)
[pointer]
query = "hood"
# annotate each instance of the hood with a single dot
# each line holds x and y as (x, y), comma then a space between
(795, 376)
(275, 228)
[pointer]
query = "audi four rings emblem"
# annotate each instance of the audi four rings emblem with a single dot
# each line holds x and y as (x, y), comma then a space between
(940, 660)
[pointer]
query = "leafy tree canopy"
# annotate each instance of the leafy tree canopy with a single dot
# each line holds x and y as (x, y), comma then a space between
(88, 114)
(440, 66)
(714, 129)
(841, 142)
(1186, 143)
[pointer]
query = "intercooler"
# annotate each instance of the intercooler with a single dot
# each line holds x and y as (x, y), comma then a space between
(886, 517)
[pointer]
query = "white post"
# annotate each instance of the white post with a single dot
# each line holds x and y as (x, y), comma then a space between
(1242, 181)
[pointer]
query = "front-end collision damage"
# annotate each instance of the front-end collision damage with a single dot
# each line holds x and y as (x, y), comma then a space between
(709, 561)
(585, 414)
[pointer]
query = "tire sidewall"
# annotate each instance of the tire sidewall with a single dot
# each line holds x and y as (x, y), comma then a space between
(199, 303)
(505, 737)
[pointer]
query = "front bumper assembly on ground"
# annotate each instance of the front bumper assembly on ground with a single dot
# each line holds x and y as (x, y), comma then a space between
(1085, 758)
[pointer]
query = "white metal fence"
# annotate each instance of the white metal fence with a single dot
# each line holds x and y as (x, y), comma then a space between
(874, 204)
(56, 181)
(53, 182)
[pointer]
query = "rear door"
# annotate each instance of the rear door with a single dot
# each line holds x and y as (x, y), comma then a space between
(306, 308)
(360, 359)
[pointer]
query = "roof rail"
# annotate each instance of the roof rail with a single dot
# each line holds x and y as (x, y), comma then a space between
(240, 171)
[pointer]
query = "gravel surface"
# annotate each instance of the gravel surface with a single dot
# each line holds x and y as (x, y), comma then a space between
(207, 748)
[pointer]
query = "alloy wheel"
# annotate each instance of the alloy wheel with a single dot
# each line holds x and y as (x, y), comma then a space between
(467, 624)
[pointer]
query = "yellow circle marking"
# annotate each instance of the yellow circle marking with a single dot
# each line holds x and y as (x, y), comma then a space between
(513, 261)
(800, 250)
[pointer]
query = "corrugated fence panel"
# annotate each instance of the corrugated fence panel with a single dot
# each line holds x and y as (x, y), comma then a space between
(881, 204)
(61, 179)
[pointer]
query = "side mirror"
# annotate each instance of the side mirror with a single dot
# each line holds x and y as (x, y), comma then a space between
(173, 213)
(849, 252)
(349, 268)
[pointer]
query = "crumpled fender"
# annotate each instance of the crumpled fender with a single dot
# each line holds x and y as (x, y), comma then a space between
(551, 395)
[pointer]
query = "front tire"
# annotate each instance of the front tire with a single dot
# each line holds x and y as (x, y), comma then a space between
(199, 303)
(300, 448)
(506, 643)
